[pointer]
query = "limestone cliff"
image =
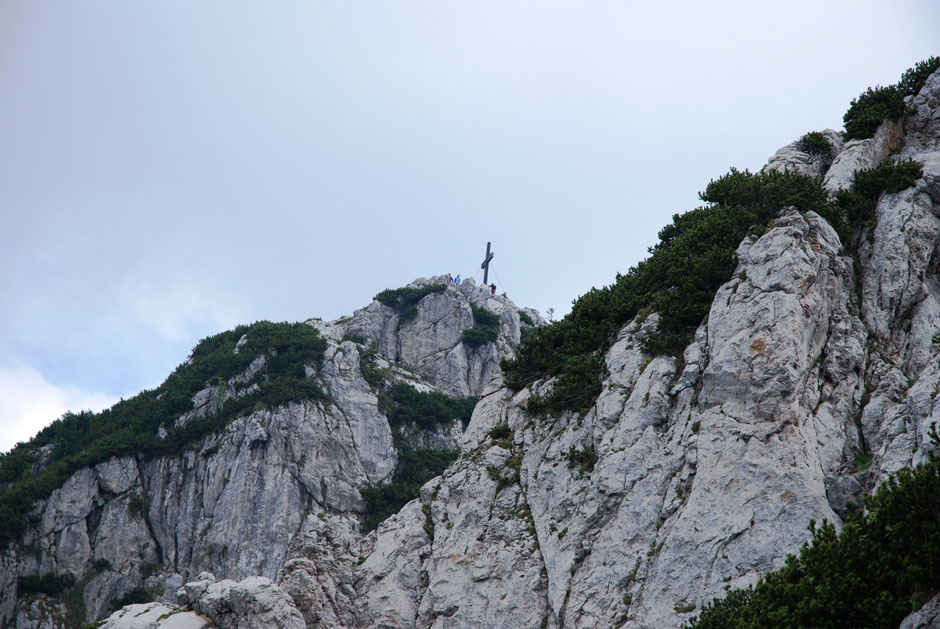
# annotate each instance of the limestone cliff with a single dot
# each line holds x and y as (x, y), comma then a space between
(688, 477)
(232, 503)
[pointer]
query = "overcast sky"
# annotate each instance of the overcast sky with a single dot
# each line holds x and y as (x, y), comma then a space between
(171, 169)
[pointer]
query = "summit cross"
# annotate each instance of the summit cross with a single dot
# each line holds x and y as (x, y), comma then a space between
(486, 264)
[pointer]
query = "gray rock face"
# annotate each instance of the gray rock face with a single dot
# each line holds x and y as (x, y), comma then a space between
(254, 603)
(154, 616)
(792, 157)
(699, 484)
(927, 617)
(705, 478)
(430, 342)
(862, 154)
(242, 500)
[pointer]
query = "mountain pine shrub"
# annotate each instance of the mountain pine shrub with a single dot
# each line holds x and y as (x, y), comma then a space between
(416, 466)
(877, 104)
(405, 300)
(485, 328)
(868, 186)
(870, 109)
(403, 404)
(695, 255)
(815, 143)
(874, 573)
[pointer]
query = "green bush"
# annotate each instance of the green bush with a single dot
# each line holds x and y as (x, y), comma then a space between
(815, 143)
(500, 432)
(403, 298)
(872, 574)
(101, 565)
(870, 109)
(48, 583)
(582, 458)
(403, 404)
(485, 328)
(368, 366)
(875, 105)
(133, 597)
(868, 186)
(137, 505)
(694, 257)
(914, 78)
(415, 468)
(131, 426)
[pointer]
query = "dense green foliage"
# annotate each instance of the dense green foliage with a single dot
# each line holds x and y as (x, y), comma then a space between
(877, 104)
(485, 327)
(131, 426)
(403, 404)
(914, 78)
(582, 458)
(872, 574)
(405, 300)
(815, 143)
(694, 256)
(133, 597)
(416, 466)
(500, 432)
(871, 108)
(48, 583)
(859, 202)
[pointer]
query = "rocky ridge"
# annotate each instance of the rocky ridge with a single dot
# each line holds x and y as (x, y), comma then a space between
(687, 479)
(134, 524)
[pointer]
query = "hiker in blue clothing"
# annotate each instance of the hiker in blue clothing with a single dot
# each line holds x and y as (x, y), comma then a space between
(457, 279)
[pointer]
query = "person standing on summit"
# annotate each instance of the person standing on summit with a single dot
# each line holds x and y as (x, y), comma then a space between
(492, 289)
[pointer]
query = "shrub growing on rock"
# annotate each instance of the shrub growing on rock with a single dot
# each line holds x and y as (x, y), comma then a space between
(131, 426)
(877, 104)
(872, 574)
(485, 328)
(694, 256)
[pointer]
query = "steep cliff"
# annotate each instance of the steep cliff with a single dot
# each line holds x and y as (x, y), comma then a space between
(136, 526)
(813, 378)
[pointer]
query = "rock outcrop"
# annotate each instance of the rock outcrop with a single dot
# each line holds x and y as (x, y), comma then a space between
(706, 476)
(233, 504)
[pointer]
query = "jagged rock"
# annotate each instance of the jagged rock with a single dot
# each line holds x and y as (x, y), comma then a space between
(319, 574)
(390, 579)
(922, 128)
(703, 479)
(254, 603)
(41, 613)
(430, 342)
(927, 617)
(155, 616)
(792, 158)
(186, 514)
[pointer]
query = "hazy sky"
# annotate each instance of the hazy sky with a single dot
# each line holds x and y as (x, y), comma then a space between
(171, 169)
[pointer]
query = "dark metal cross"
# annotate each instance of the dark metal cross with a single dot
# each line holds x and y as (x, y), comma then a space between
(486, 264)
